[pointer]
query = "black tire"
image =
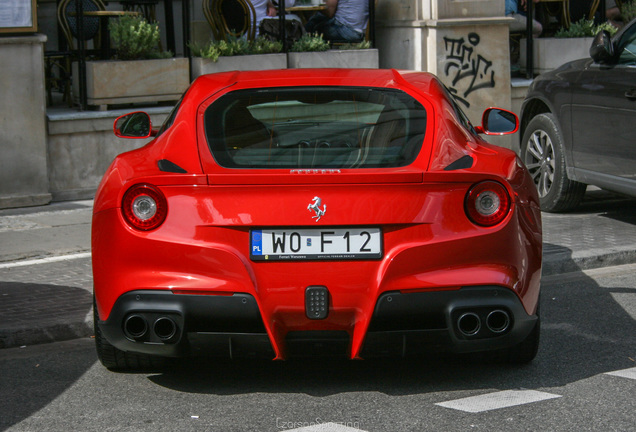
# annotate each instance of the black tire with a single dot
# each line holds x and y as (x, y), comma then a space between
(522, 353)
(526, 351)
(543, 152)
(118, 360)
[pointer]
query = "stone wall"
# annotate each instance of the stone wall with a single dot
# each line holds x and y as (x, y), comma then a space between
(464, 43)
(82, 145)
(23, 161)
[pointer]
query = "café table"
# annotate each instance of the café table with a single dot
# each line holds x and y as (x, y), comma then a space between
(147, 7)
(306, 11)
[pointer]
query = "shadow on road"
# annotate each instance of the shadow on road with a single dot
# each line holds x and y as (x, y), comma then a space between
(598, 200)
(37, 313)
(30, 383)
(27, 384)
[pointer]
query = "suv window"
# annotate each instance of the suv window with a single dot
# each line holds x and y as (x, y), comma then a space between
(627, 47)
(315, 127)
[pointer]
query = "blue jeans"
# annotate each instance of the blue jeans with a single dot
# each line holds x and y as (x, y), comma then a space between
(332, 29)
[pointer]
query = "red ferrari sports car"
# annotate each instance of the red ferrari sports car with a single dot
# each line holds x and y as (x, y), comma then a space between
(309, 212)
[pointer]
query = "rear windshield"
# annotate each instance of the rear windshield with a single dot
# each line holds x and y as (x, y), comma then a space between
(315, 127)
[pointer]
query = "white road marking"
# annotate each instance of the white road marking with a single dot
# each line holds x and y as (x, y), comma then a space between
(493, 401)
(45, 260)
(324, 427)
(625, 373)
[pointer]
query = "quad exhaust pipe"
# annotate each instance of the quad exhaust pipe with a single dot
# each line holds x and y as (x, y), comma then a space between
(137, 329)
(165, 328)
(497, 322)
(469, 324)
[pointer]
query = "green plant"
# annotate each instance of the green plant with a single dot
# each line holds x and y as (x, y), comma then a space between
(356, 46)
(136, 39)
(310, 42)
(265, 46)
(628, 11)
(234, 47)
(209, 51)
(584, 28)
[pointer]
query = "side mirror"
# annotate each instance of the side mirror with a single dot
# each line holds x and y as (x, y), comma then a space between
(497, 121)
(133, 125)
(602, 49)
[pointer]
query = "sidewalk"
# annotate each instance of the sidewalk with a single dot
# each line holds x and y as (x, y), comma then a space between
(46, 281)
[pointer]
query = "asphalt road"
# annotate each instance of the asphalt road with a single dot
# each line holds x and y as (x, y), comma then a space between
(583, 379)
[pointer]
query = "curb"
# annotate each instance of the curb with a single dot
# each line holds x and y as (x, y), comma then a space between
(47, 334)
(564, 262)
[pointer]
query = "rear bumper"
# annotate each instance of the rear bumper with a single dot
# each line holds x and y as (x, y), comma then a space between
(212, 323)
(176, 325)
(416, 323)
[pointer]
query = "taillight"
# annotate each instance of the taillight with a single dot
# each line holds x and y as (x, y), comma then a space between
(144, 207)
(487, 203)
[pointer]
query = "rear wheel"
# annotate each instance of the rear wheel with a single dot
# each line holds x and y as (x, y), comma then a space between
(525, 351)
(521, 353)
(543, 153)
(116, 359)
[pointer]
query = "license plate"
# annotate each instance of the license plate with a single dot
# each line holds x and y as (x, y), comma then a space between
(290, 244)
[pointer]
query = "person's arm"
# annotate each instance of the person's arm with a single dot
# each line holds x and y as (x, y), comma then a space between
(524, 4)
(332, 6)
(271, 9)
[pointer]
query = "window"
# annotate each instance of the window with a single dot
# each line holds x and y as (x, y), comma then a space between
(627, 47)
(459, 113)
(315, 127)
(168, 122)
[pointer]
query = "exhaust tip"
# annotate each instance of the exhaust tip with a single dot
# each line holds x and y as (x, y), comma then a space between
(469, 324)
(165, 328)
(498, 321)
(135, 327)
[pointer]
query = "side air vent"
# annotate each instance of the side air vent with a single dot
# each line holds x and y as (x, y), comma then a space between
(461, 163)
(166, 166)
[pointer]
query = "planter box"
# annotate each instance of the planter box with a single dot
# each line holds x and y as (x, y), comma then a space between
(353, 59)
(110, 82)
(550, 53)
(201, 66)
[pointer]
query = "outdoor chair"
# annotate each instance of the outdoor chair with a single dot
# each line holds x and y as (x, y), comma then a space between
(558, 8)
(57, 64)
(68, 20)
(594, 7)
(230, 18)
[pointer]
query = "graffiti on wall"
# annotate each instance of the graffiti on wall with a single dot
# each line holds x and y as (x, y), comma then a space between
(469, 71)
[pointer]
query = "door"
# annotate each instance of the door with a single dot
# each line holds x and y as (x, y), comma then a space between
(604, 114)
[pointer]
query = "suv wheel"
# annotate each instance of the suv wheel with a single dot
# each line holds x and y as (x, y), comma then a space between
(543, 153)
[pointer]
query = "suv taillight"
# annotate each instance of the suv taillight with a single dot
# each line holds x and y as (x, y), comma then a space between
(144, 207)
(487, 203)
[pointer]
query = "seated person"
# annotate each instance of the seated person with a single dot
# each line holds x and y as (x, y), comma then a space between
(581, 9)
(613, 13)
(265, 8)
(520, 19)
(342, 21)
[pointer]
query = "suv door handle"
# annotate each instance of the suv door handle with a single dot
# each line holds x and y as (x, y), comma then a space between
(631, 94)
